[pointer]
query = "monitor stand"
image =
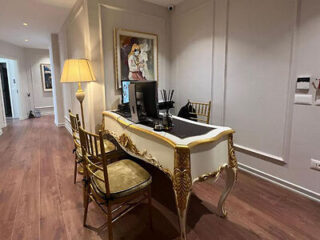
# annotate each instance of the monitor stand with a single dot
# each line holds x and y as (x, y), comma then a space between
(133, 103)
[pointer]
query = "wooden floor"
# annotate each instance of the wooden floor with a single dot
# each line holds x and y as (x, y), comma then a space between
(38, 199)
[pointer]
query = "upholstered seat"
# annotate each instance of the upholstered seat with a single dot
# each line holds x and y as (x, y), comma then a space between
(125, 177)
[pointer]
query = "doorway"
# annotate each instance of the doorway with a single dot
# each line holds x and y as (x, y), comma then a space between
(6, 90)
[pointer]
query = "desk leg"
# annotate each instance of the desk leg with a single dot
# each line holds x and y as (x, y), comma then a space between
(182, 186)
(231, 179)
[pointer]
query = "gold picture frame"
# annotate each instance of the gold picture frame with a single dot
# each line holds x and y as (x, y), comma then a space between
(135, 56)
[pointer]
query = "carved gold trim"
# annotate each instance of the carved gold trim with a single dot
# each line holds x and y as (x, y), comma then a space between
(126, 142)
(182, 181)
(233, 163)
(119, 119)
(207, 176)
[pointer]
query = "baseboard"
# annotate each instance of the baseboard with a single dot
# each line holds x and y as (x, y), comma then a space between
(1, 132)
(283, 183)
(60, 124)
(23, 117)
(46, 113)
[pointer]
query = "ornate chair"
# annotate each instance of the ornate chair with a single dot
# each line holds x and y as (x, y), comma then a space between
(202, 110)
(123, 183)
(75, 126)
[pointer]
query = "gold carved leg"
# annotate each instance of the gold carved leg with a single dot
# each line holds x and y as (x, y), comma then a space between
(231, 179)
(182, 186)
(231, 171)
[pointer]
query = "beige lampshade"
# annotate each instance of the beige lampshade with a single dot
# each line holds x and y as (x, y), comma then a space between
(77, 70)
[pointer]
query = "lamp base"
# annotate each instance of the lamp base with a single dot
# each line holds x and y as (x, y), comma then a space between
(80, 94)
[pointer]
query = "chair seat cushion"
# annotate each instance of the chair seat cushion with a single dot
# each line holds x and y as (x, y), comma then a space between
(108, 147)
(125, 177)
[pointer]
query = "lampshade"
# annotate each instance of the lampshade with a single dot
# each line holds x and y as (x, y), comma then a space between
(77, 70)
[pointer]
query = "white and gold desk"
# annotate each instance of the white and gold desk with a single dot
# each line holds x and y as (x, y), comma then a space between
(184, 160)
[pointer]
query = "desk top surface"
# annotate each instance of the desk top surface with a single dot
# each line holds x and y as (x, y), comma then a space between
(196, 133)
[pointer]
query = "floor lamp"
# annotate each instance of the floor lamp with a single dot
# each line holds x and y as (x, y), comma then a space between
(78, 70)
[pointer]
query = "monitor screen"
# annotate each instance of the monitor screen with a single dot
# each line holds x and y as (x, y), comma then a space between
(125, 91)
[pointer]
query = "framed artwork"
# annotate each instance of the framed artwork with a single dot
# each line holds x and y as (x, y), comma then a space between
(46, 77)
(135, 56)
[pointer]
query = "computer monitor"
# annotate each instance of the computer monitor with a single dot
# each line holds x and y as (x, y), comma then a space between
(125, 91)
(143, 100)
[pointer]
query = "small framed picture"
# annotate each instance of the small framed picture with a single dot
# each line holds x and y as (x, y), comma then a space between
(46, 77)
(135, 56)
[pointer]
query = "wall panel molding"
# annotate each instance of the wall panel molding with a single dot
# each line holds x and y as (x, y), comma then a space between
(121, 9)
(289, 93)
(260, 154)
(291, 85)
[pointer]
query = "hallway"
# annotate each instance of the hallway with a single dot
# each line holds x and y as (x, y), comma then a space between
(38, 199)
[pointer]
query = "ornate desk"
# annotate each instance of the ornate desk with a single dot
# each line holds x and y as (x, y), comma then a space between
(193, 152)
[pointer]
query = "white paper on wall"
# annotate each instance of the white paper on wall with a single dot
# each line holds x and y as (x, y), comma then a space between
(305, 99)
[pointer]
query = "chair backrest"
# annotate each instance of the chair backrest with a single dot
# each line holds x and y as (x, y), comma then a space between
(95, 157)
(75, 125)
(202, 110)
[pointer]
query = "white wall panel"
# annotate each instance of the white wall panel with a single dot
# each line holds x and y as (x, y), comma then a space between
(192, 46)
(258, 70)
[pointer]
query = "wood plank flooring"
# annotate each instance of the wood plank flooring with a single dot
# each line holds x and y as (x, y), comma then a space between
(38, 199)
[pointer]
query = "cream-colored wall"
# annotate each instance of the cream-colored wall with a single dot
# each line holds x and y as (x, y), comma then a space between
(88, 33)
(40, 101)
(73, 44)
(191, 55)
(258, 48)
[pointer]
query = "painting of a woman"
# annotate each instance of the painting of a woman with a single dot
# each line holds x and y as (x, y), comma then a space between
(136, 56)
(136, 65)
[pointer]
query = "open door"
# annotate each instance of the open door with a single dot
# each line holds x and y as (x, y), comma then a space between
(5, 90)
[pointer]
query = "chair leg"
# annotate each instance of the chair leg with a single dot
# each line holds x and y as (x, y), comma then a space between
(86, 203)
(110, 222)
(150, 207)
(75, 171)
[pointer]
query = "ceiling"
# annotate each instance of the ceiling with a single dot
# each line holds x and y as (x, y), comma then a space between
(43, 17)
(165, 3)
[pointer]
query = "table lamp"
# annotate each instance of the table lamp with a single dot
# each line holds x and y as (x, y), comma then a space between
(78, 70)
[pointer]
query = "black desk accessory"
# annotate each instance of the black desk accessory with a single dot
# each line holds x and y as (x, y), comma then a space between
(166, 105)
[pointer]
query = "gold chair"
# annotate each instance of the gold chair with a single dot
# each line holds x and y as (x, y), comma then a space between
(110, 183)
(75, 126)
(202, 110)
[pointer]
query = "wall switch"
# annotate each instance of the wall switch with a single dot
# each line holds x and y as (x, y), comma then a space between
(315, 164)
(303, 83)
(305, 99)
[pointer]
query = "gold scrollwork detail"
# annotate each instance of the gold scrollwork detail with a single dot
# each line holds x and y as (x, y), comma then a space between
(182, 182)
(126, 142)
(215, 174)
(232, 156)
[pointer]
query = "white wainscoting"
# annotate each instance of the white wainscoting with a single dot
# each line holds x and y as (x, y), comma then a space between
(45, 110)
(67, 124)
